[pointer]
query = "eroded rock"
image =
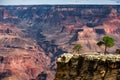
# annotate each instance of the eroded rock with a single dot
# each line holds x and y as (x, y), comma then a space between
(89, 67)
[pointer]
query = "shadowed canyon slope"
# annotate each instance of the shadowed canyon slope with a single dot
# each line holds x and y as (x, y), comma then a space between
(32, 37)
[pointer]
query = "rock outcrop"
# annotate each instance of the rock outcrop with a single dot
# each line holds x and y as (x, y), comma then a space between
(90, 66)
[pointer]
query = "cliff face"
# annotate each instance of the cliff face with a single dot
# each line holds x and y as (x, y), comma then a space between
(20, 57)
(90, 66)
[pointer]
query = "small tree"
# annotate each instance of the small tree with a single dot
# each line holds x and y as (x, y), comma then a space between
(107, 41)
(77, 48)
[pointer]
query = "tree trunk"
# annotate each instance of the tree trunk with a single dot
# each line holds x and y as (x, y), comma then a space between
(105, 50)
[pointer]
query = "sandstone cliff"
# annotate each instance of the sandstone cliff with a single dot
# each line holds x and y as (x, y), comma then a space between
(90, 66)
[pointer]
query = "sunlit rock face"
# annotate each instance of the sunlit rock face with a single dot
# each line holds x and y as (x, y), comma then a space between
(88, 66)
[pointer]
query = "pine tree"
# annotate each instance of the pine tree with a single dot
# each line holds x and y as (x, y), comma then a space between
(107, 41)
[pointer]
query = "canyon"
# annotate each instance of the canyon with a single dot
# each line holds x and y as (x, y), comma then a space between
(32, 37)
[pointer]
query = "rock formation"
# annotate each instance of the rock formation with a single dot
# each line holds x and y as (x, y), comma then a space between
(44, 32)
(88, 66)
(20, 57)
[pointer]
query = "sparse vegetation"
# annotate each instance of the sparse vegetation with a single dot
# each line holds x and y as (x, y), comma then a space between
(107, 41)
(117, 51)
(77, 48)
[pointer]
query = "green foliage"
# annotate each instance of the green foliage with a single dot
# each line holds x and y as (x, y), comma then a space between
(107, 41)
(100, 43)
(77, 48)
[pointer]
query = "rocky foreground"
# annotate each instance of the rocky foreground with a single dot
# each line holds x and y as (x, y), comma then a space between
(93, 66)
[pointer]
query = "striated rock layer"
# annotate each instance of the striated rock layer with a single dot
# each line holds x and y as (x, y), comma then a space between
(90, 66)
(20, 57)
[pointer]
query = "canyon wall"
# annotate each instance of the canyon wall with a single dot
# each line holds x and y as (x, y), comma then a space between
(60, 26)
(44, 32)
(20, 58)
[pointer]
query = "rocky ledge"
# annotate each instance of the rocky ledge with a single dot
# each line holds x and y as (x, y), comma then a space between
(88, 66)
